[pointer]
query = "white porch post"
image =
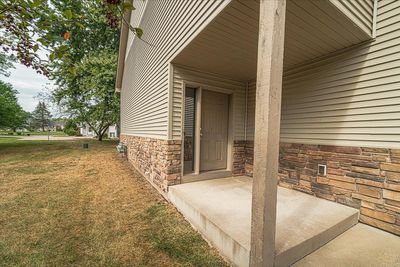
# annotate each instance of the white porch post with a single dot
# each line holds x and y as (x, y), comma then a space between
(267, 127)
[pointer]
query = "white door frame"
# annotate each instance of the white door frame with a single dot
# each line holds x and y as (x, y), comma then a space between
(198, 92)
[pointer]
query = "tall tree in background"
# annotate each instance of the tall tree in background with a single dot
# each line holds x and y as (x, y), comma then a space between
(85, 77)
(41, 116)
(12, 116)
(6, 63)
(89, 94)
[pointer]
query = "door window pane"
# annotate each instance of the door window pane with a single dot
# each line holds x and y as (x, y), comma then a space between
(189, 130)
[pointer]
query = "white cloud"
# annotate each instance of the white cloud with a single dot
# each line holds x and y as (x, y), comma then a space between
(28, 83)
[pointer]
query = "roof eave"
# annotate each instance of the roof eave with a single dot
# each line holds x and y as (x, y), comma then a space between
(123, 41)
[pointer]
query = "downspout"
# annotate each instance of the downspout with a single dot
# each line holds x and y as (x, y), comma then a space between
(171, 102)
(246, 110)
(374, 19)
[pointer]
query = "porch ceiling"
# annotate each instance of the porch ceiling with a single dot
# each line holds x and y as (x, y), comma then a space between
(228, 45)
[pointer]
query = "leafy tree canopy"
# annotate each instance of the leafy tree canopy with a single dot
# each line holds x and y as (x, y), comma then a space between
(88, 93)
(59, 28)
(12, 116)
(5, 64)
(81, 39)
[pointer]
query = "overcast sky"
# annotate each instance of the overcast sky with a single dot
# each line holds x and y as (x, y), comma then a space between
(28, 83)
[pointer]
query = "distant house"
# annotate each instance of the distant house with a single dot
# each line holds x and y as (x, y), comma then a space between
(304, 94)
(112, 131)
(86, 130)
(57, 124)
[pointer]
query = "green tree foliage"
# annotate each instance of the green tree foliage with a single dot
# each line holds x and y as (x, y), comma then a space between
(41, 117)
(58, 28)
(82, 39)
(5, 64)
(12, 116)
(85, 76)
(88, 93)
(71, 127)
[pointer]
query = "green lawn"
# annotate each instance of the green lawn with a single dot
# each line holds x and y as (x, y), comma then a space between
(58, 133)
(62, 205)
(6, 141)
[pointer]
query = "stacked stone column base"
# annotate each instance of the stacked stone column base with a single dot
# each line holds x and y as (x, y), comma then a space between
(158, 160)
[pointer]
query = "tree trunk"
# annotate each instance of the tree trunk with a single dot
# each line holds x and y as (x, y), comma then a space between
(101, 133)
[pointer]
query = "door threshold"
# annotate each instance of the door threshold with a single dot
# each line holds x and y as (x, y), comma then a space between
(207, 175)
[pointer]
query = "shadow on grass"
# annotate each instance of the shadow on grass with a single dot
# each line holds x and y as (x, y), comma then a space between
(171, 234)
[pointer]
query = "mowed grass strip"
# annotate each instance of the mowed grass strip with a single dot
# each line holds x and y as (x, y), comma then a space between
(62, 205)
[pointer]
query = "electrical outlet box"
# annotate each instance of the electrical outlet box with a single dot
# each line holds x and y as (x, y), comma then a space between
(321, 169)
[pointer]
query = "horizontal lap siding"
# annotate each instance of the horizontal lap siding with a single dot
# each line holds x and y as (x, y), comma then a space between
(359, 11)
(182, 76)
(167, 27)
(349, 99)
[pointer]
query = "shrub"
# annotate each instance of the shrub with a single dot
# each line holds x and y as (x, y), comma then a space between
(71, 127)
(71, 131)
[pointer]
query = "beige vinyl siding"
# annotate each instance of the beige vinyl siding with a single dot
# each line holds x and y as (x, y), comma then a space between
(349, 99)
(167, 26)
(361, 12)
(193, 78)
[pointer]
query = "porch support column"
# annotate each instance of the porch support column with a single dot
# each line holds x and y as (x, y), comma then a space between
(267, 127)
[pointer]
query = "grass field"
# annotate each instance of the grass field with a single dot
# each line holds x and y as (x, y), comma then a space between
(61, 205)
(58, 133)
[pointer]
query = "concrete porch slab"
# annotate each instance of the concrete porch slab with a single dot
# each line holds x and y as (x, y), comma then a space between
(220, 210)
(360, 246)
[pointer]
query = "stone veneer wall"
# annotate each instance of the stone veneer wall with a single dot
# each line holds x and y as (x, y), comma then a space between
(239, 157)
(242, 158)
(158, 160)
(364, 178)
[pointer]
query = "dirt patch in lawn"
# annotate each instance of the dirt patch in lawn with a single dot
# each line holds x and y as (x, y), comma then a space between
(61, 205)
